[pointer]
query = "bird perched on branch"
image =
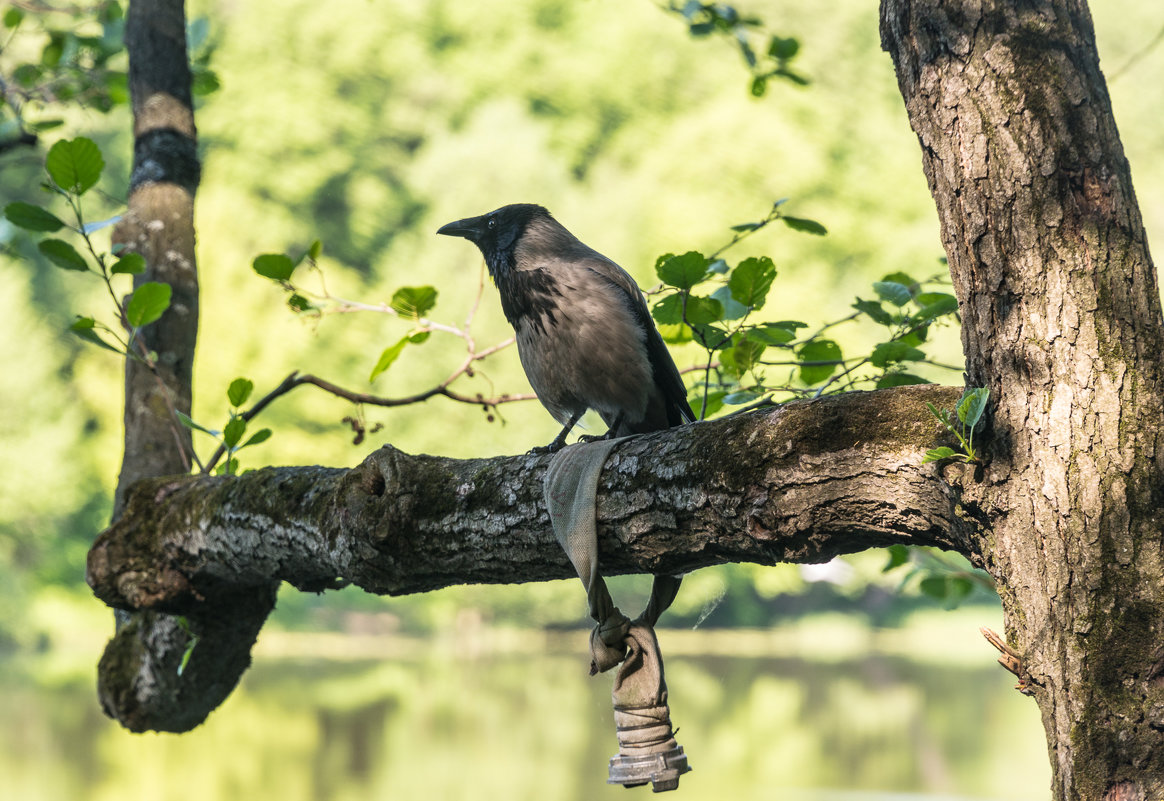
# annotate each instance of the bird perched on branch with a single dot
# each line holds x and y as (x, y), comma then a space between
(584, 335)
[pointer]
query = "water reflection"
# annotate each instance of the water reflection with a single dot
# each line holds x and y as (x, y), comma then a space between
(432, 723)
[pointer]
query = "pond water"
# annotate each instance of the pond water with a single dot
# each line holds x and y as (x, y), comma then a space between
(514, 716)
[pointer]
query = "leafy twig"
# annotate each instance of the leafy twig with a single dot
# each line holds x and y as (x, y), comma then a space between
(968, 413)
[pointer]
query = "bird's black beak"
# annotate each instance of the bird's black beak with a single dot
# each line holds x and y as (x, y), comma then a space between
(469, 228)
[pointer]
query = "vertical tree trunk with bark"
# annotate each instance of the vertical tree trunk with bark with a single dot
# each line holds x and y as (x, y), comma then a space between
(159, 224)
(139, 682)
(1061, 319)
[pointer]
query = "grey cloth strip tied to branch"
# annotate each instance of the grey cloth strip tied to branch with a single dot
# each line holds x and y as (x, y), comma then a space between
(647, 747)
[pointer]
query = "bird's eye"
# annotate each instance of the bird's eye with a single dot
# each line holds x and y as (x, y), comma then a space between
(492, 223)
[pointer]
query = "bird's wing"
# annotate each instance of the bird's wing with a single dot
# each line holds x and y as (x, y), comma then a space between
(666, 374)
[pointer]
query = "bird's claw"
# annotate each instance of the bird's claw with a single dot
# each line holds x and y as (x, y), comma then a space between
(540, 450)
(594, 437)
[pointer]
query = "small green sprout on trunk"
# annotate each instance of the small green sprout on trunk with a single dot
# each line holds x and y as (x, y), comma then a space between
(969, 413)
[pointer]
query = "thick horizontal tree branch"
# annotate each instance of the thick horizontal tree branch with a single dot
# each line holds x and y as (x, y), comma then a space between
(801, 482)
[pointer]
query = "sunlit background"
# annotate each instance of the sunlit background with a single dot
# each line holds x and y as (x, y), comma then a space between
(367, 126)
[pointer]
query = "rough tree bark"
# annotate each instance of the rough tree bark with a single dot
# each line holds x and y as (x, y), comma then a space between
(159, 224)
(798, 483)
(1061, 319)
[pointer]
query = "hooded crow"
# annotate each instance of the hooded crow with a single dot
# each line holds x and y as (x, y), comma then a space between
(584, 335)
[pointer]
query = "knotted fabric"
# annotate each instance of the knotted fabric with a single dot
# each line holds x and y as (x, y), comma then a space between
(647, 747)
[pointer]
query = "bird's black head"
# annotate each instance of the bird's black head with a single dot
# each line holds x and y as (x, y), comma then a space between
(497, 233)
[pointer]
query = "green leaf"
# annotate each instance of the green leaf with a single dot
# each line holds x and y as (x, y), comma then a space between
(887, 353)
(759, 85)
(40, 126)
(187, 653)
(414, 301)
(916, 337)
(900, 380)
(892, 291)
(714, 400)
(751, 280)
(315, 250)
(905, 279)
(51, 55)
(117, 86)
(27, 75)
(32, 218)
(417, 337)
(683, 271)
(958, 588)
(189, 423)
(943, 415)
(818, 350)
(771, 334)
(732, 309)
(129, 264)
(926, 298)
(62, 254)
(935, 304)
(75, 165)
(675, 333)
(972, 405)
(275, 266)
(148, 302)
(703, 311)
(874, 309)
(84, 327)
(783, 48)
(898, 556)
(232, 434)
(937, 454)
(204, 82)
(13, 17)
(934, 586)
(298, 303)
(669, 310)
(741, 357)
(710, 336)
(239, 390)
(197, 33)
(805, 225)
(227, 468)
(387, 357)
(699, 311)
(262, 435)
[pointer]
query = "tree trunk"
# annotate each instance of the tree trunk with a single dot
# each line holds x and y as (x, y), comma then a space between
(1061, 319)
(159, 224)
(148, 648)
